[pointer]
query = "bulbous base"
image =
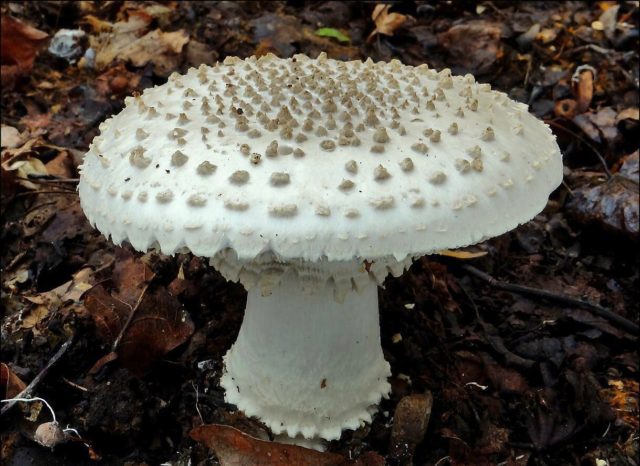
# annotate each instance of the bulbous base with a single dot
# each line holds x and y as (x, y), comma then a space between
(306, 364)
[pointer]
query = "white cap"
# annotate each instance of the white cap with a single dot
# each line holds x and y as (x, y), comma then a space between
(317, 159)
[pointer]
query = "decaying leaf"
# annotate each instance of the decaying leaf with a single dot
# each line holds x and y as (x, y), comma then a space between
(386, 23)
(36, 315)
(622, 396)
(159, 323)
(276, 33)
(10, 383)
(20, 45)
(68, 222)
(235, 448)
(473, 45)
(130, 41)
(24, 168)
(611, 204)
(19, 163)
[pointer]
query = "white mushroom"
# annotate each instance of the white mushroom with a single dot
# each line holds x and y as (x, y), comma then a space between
(296, 229)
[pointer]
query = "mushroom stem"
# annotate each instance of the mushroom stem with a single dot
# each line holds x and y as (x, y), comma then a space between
(306, 364)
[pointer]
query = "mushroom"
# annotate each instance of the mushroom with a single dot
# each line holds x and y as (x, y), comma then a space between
(310, 252)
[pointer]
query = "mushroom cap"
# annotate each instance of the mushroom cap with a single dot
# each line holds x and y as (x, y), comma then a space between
(317, 159)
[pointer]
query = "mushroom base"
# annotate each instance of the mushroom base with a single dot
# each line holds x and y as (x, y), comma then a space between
(306, 364)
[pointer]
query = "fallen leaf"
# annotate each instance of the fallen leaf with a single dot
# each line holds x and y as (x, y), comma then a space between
(605, 121)
(235, 448)
(493, 440)
(588, 127)
(386, 23)
(612, 205)
(608, 20)
(24, 161)
(35, 316)
(474, 45)
(333, 33)
(12, 280)
(276, 33)
(630, 166)
(159, 323)
(117, 80)
(503, 379)
(100, 363)
(25, 168)
(461, 254)
(10, 137)
(97, 24)
(130, 41)
(622, 396)
(632, 113)
(10, 384)
(199, 53)
(19, 46)
(547, 35)
(68, 223)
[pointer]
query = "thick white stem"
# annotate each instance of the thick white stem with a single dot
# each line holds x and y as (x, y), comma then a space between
(305, 363)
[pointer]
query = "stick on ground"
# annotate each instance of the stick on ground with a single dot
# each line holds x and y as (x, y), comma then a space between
(29, 389)
(600, 311)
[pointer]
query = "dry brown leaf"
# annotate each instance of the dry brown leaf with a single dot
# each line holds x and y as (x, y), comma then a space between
(73, 290)
(10, 384)
(69, 222)
(474, 45)
(10, 137)
(117, 80)
(24, 169)
(386, 23)
(622, 396)
(19, 46)
(159, 324)
(35, 316)
(23, 161)
(130, 41)
(235, 448)
(632, 113)
(460, 254)
(97, 24)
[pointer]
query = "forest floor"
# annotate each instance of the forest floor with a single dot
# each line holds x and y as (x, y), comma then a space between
(517, 377)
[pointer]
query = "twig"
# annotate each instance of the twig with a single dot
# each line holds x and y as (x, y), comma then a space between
(15, 260)
(124, 328)
(195, 387)
(31, 193)
(29, 389)
(75, 385)
(49, 180)
(38, 206)
(603, 162)
(600, 311)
